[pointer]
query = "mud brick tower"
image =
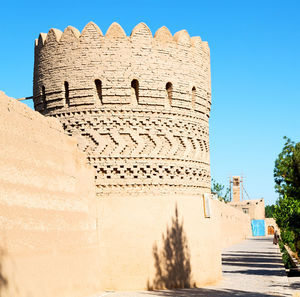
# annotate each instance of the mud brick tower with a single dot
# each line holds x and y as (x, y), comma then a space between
(138, 104)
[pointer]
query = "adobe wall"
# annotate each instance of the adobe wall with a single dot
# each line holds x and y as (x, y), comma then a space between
(254, 207)
(51, 224)
(131, 227)
(48, 238)
(235, 225)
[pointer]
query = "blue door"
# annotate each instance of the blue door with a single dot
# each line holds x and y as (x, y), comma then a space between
(258, 227)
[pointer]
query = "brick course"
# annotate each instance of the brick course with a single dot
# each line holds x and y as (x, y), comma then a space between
(111, 92)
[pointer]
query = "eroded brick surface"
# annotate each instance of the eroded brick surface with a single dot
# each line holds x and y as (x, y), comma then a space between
(139, 105)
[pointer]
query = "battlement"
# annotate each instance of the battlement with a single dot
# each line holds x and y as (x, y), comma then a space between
(138, 104)
(93, 69)
(162, 35)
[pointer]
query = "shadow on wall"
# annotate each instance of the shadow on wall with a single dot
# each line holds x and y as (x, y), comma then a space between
(172, 262)
(3, 279)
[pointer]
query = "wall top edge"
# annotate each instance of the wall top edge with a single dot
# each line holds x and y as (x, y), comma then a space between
(115, 31)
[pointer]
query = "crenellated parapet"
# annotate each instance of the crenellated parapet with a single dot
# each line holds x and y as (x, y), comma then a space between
(116, 60)
(139, 104)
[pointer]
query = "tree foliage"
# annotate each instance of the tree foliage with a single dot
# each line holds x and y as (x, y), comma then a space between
(269, 211)
(219, 189)
(287, 170)
(287, 185)
(287, 261)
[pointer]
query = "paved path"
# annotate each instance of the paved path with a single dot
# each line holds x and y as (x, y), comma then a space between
(294, 283)
(251, 268)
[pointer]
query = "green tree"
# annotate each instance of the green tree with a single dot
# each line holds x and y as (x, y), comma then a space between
(287, 185)
(269, 211)
(219, 189)
(287, 170)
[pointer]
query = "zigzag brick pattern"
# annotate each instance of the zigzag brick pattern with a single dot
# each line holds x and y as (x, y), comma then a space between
(144, 138)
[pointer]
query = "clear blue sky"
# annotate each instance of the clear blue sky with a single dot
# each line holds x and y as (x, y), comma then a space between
(255, 63)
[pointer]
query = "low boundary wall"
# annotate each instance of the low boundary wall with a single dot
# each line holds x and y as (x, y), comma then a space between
(235, 225)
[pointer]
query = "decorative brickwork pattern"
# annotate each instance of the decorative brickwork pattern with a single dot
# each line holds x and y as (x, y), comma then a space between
(139, 105)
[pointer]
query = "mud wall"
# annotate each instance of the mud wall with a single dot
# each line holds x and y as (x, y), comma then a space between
(58, 240)
(235, 225)
(158, 239)
(48, 235)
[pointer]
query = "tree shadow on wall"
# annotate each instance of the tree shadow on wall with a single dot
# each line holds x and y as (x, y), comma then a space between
(3, 279)
(172, 262)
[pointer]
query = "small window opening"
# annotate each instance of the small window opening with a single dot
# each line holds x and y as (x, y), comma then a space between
(169, 89)
(193, 97)
(67, 98)
(98, 84)
(135, 90)
(44, 97)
